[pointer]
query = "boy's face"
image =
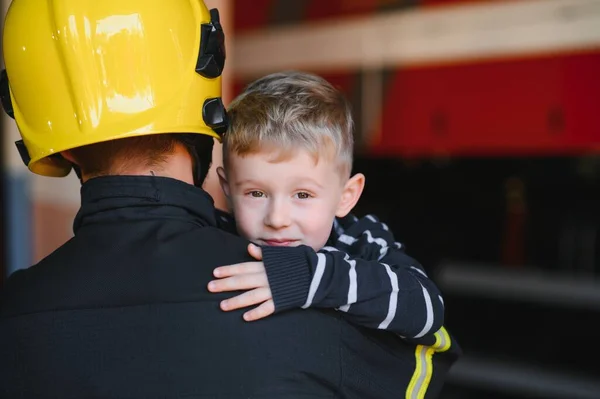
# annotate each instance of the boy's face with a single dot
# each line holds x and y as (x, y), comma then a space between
(287, 202)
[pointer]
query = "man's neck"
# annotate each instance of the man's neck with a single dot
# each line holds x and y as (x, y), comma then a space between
(178, 165)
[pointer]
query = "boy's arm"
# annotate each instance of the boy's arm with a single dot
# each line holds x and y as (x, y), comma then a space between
(383, 288)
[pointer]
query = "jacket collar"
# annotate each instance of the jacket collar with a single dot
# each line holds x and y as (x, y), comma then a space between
(131, 197)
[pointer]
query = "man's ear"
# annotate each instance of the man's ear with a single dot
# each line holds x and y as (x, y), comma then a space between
(68, 155)
(223, 181)
(350, 194)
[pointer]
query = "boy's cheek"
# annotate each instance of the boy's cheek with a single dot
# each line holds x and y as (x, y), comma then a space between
(246, 224)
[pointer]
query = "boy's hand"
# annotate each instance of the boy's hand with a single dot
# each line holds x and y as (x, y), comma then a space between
(250, 276)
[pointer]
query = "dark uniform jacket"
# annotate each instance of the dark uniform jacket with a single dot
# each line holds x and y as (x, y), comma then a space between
(122, 311)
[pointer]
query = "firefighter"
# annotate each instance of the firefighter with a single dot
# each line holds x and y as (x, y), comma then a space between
(127, 94)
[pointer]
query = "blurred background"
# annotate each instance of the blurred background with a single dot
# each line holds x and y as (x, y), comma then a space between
(478, 128)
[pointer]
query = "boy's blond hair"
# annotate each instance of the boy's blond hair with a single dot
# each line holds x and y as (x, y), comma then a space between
(291, 110)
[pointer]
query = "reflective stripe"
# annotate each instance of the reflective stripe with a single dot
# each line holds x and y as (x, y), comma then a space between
(417, 388)
(423, 371)
(442, 340)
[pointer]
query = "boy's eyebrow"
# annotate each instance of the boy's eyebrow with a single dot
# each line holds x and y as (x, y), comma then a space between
(247, 181)
(312, 181)
(303, 180)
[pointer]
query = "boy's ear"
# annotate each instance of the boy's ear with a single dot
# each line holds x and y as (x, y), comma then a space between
(350, 194)
(223, 181)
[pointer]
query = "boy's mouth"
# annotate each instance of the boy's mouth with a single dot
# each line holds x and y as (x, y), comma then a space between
(279, 243)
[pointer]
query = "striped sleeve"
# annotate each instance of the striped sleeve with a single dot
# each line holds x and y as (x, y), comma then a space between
(369, 278)
(415, 307)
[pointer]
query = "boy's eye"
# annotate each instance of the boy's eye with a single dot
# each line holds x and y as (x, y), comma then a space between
(256, 194)
(303, 195)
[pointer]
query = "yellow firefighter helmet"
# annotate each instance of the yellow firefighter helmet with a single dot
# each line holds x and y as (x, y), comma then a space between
(80, 72)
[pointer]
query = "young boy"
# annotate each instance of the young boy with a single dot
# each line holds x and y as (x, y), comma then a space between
(288, 160)
(287, 178)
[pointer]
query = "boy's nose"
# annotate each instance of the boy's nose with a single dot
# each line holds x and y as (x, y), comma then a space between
(278, 215)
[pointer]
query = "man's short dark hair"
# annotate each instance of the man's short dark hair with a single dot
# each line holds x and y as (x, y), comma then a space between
(149, 151)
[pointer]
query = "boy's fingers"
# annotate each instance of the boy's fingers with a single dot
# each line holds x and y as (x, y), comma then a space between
(262, 311)
(240, 268)
(241, 282)
(254, 297)
(255, 251)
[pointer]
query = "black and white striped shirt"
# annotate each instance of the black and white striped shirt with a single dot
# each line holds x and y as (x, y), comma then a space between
(362, 272)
